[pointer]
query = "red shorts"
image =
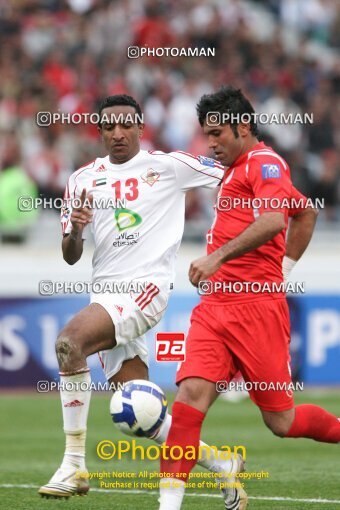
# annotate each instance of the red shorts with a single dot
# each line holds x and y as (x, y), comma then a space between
(252, 338)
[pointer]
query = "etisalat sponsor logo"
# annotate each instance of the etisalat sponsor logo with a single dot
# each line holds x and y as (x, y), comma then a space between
(229, 203)
(27, 204)
(126, 239)
(45, 119)
(207, 287)
(125, 220)
(145, 51)
(49, 287)
(214, 119)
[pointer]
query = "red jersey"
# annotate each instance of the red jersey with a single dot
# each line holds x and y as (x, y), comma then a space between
(298, 203)
(258, 181)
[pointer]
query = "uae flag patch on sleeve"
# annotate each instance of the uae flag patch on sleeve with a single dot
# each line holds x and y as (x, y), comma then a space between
(99, 182)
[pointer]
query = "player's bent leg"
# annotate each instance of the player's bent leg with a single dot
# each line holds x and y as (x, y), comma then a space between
(305, 420)
(316, 423)
(88, 332)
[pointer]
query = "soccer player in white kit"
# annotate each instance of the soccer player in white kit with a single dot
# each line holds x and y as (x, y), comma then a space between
(134, 243)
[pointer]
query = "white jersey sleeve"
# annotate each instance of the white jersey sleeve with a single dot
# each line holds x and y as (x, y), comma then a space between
(196, 171)
(71, 193)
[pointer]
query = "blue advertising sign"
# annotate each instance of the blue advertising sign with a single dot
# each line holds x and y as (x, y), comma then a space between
(29, 328)
(320, 330)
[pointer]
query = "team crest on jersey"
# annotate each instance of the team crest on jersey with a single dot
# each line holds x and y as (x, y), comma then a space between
(101, 169)
(151, 176)
(271, 171)
(206, 161)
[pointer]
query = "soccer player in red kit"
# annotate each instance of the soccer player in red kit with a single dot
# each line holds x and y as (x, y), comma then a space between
(247, 330)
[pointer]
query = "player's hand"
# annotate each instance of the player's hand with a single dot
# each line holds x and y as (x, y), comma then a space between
(82, 215)
(203, 267)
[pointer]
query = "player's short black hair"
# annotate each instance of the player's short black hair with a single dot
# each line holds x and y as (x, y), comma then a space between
(119, 100)
(227, 100)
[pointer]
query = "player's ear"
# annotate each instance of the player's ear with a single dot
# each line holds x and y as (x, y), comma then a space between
(100, 131)
(243, 129)
(140, 130)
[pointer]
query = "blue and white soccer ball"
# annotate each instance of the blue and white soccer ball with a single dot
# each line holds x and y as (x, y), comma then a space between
(139, 409)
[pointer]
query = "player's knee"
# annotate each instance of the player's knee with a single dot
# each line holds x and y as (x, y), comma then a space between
(66, 348)
(279, 430)
(278, 426)
(189, 393)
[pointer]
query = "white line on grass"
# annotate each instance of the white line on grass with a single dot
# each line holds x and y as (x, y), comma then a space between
(192, 494)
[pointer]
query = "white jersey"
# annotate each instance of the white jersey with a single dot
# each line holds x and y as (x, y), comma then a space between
(140, 238)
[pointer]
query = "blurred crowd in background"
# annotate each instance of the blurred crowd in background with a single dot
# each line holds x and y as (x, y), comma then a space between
(66, 55)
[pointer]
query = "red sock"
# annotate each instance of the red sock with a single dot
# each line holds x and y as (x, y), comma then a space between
(316, 423)
(185, 431)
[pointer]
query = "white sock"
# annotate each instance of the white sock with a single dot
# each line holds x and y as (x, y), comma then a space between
(171, 493)
(209, 457)
(75, 394)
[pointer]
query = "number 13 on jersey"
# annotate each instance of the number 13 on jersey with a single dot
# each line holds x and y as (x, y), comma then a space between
(126, 189)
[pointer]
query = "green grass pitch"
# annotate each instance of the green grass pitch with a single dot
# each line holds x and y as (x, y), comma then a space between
(32, 444)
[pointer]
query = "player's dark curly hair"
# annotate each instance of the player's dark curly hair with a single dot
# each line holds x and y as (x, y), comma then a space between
(229, 100)
(119, 100)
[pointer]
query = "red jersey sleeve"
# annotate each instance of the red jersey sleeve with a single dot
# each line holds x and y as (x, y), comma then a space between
(269, 178)
(298, 202)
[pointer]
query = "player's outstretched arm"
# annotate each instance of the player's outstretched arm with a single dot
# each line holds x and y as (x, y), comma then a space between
(267, 226)
(72, 244)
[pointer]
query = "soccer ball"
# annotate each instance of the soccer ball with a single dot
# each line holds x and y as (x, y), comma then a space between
(139, 409)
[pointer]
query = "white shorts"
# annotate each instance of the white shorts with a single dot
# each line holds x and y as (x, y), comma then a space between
(133, 315)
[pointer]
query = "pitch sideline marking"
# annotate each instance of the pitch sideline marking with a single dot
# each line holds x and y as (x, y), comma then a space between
(191, 494)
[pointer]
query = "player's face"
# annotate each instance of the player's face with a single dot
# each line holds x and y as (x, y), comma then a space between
(122, 134)
(222, 140)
